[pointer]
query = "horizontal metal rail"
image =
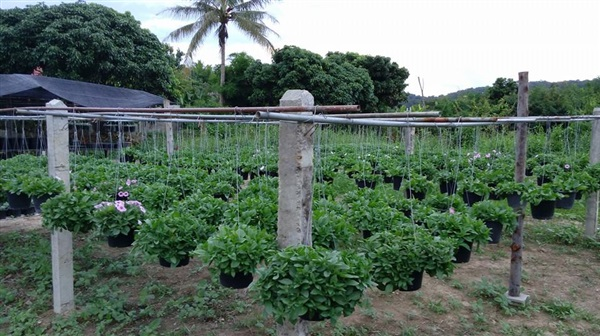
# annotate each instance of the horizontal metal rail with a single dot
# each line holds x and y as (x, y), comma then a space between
(209, 110)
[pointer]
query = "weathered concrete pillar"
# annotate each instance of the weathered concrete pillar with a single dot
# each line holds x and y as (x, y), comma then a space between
(294, 218)
(61, 240)
(169, 132)
(591, 218)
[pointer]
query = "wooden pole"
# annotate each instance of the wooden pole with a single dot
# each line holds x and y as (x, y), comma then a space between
(61, 240)
(516, 259)
(591, 218)
(294, 217)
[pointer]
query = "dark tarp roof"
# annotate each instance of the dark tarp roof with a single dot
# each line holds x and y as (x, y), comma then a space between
(79, 93)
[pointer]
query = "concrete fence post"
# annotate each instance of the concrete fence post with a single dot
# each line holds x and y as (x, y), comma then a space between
(61, 240)
(591, 218)
(294, 217)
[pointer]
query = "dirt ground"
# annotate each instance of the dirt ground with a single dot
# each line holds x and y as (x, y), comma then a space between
(450, 306)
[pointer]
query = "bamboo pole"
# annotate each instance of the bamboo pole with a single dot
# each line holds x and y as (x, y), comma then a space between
(516, 259)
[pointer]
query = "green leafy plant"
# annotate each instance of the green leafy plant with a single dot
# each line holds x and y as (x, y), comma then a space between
(312, 282)
(536, 194)
(118, 217)
(492, 211)
(475, 185)
(155, 196)
(40, 185)
(547, 171)
(236, 249)
(70, 211)
(397, 254)
(330, 229)
(418, 183)
(511, 187)
(171, 236)
(459, 226)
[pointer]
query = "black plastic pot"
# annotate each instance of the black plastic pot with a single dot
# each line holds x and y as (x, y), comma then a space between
(413, 194)
(366, 184)
(18, 201)
(239, 281)
(312, 316)
(121, 240)
(514, 201)
(463, 254)
(2, 214)
(388, 179)
(182, 262)
(471, 198)
(366, 234)
(448, 187)
(397, 182)
(39, 200)
(495, 231)
(544, 210)
(417, 282)
(566, 202)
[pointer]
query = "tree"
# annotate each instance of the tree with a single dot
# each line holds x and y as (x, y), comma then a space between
(215, 15)
(238, 89)
(388, 78)
(502, 88)
(197, 85)
(87, 42)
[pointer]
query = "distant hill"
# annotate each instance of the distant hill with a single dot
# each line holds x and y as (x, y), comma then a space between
(416, 99)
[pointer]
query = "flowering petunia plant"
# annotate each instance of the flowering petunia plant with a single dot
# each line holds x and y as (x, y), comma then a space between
(118, 217)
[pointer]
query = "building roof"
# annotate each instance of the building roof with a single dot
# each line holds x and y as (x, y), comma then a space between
(42, 88)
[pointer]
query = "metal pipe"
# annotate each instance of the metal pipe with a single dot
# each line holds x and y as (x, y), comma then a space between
(213, 110)
(420, 123)
(388, 115)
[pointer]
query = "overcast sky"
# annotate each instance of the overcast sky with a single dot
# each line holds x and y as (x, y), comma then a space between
(450, 44)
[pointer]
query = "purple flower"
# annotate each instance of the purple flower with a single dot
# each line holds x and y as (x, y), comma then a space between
(133, 181)
(567, 166)
(488, 155)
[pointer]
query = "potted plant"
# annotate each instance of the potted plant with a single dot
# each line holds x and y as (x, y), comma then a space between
(362, 173)
(235, 251)
(417, 186)
(443, 202)
(118, 221)
(496, 217)
(312, 283)
(547, 172)
(41, 187)
(512, 191)
(16, 196)
(568, 184)
(368, 213)
(170, 236)
(542, 200)
(464, 229)
(3, 210)
(70, 211)
(330, 229)
(400, 257)
(474, 190)
(448, 180)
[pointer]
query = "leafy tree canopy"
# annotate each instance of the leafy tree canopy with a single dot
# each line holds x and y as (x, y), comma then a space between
(87, 42)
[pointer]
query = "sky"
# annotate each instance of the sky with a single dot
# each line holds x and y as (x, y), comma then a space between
(449, 45)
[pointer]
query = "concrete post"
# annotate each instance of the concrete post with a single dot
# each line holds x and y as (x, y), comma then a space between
(169, 132)
(591, 218)
(61, 240)
(294, 218)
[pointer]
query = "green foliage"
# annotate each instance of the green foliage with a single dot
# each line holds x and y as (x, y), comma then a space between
(459, 226)
(40, 185)
(118, 217)
(493, 211)
(560, 309)
(70, 211)
(155, 196)
(236, 249)
(314, 282)
(88, 42)
(171, 236)
(330, 229)
(397, 254)
(536, 194)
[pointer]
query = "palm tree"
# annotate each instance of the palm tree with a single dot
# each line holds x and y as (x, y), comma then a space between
(214, 15)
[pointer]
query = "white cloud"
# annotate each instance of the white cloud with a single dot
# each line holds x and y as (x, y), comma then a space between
(452, 45)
